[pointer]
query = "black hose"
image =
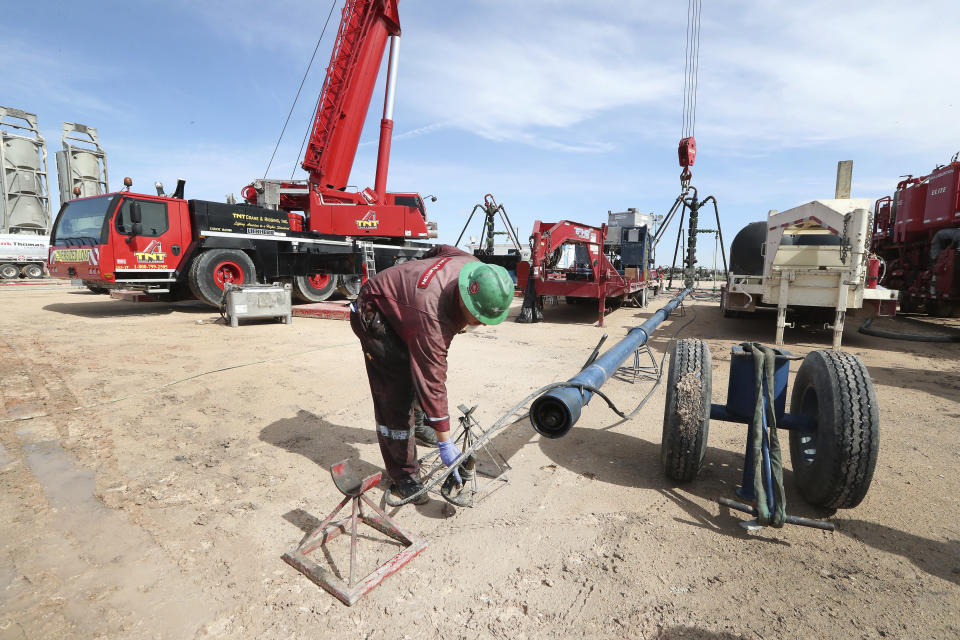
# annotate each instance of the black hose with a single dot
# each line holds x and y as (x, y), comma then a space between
(892, 335)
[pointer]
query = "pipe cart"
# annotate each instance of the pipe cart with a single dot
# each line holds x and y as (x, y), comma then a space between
(833, 424)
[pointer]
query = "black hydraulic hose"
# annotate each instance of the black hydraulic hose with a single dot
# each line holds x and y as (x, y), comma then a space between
(893, 335)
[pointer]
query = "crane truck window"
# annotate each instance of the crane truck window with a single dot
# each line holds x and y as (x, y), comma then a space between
(153, 217)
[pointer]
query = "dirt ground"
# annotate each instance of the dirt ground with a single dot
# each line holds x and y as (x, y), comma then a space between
(175, 459)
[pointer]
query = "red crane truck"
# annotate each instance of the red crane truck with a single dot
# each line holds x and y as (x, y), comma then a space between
(916, 232)
(313, 232)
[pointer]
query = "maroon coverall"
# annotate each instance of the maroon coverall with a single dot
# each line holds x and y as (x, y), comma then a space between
(405, 317)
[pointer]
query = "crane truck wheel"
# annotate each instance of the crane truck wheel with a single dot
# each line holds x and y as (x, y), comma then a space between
(9, 271)
(834, 464)
(33, 271)
(94, 288)
(315, 288)
(349, 285)
(686, 414)
(216, 268)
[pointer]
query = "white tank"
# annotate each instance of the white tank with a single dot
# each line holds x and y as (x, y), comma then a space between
(24, 198)
(21, 247)
(81, 164)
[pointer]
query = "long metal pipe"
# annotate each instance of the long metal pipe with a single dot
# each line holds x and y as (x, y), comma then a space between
(555, 412)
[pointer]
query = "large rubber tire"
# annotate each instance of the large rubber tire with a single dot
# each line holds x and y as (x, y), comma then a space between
(315, 288)
(686, 413)
(214, 269)
(95, 289)
(833, 466)
(349, 285)
(9, 271)
(32, 271)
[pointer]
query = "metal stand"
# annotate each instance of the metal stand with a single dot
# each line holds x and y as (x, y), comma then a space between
(646, 372)
(472, 491)
(348, 482)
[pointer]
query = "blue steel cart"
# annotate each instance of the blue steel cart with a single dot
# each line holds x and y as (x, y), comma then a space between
(833, 421)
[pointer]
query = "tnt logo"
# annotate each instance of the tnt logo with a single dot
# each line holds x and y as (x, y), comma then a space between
(369, 221)
(152, 254)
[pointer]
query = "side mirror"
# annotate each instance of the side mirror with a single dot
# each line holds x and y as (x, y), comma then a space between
(135, 215)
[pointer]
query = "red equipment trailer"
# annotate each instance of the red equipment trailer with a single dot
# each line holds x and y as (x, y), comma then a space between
(313, 232)
(917, 234)
(592, 273)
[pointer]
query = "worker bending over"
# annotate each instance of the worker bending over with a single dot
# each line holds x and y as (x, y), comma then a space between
(405, 317)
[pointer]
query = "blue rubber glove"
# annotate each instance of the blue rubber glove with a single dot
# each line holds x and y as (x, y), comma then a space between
(449, 452)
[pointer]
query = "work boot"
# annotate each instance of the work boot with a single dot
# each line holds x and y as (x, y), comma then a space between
(425, 436)
(408, 486)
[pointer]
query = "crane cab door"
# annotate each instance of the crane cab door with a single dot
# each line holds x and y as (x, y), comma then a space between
(156, 244)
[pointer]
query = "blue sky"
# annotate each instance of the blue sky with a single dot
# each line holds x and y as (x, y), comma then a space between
(562, 109)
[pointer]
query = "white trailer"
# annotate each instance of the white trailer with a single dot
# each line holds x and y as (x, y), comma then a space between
(22, 253)
(814, 256)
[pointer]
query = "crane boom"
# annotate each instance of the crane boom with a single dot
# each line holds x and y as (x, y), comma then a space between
(327, 206)
(348, 88)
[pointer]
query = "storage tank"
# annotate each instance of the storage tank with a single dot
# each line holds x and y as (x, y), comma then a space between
(942, 209)
(24, 195)
(910, 199)
(81, 164)
(745, 252)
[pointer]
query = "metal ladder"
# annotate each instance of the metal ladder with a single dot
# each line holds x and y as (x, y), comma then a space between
(369, 259)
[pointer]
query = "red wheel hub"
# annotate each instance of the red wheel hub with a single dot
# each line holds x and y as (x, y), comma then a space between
(319, 280)
(227, 272)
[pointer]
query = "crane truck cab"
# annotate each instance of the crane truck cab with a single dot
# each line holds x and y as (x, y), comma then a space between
(120, 239)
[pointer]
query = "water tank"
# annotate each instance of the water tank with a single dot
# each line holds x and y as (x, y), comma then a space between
(745, 252)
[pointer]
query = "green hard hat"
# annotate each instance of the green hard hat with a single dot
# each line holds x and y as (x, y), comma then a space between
(486, 291)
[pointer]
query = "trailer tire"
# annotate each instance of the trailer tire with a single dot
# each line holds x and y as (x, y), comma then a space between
(315, 288)
(95, 289)
(686, 415)
(349, 284)
(9, 271)
(833, 467)
(215, 268)
(32, 271)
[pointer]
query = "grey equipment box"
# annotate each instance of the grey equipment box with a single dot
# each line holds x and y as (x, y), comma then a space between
(257, 301)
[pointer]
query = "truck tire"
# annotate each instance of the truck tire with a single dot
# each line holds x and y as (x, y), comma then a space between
(32, 271)
(686, 415)
(214, 269)
(315, 288)
(349, 285)
(833, 466)
(95, 289)
(9, 271)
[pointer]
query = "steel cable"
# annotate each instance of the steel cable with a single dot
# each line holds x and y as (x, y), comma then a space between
(297, 97)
